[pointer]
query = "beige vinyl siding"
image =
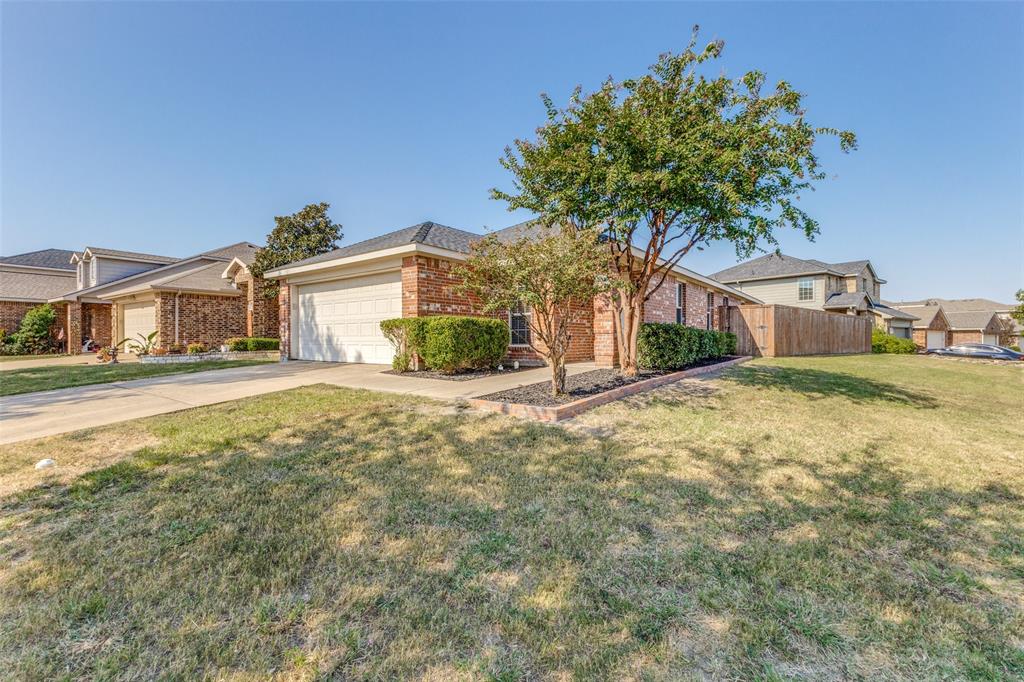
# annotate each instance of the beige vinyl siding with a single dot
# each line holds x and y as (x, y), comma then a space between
(111, 270)
(783, 291)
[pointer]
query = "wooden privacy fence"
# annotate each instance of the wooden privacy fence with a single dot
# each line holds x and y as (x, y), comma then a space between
(780, 330)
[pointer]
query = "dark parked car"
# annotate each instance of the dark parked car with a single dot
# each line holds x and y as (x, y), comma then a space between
(984, 351)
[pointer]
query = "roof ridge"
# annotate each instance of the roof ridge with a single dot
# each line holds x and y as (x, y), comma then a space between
(422, 231)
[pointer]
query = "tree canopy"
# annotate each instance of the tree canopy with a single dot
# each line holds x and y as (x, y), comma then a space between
(307, 233)
(667, 162)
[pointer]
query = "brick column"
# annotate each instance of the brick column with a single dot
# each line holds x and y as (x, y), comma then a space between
(605, 350)
(74, 328)
(284, 319)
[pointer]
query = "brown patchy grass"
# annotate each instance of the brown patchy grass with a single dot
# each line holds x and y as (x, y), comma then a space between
(820, 518)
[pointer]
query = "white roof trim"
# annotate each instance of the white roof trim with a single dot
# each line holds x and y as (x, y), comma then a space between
(34, 270)
(229, 271)
(71, 296)
(413, 247)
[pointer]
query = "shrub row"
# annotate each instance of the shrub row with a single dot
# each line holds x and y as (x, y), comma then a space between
(887, 343)
(447, 343)
(677, 346)
(252, 343)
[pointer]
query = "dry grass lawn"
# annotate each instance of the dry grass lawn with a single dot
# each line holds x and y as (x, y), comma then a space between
(819, 518)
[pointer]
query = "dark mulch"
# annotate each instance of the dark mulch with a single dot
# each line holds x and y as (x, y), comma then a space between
(579, 386)
(468, 375)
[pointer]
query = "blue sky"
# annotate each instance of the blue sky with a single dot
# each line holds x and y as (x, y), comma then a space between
(176, 127)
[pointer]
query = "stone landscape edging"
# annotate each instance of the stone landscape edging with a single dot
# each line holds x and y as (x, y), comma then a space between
(569, 410)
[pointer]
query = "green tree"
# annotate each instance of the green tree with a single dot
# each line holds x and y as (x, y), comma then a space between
(555, 274)
(1018, 312)
(33, 335)
(666, 163)
(307, 233)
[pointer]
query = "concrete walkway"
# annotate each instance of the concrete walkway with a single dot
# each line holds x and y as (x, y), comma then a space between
(47, 413)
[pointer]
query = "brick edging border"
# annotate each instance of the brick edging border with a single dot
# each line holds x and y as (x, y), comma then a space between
(556, 414)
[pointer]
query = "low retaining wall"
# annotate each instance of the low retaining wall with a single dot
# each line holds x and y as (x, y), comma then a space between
(206, 357)
(569, 410)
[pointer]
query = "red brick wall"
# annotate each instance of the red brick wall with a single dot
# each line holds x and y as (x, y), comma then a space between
(201, 318)
(964, 337)
(96, 323)
(606, 352)
(261, 312)
(661, 304)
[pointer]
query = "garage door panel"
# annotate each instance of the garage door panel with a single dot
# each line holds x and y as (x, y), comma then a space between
(936, 340)
(138, 319)
(339, 321)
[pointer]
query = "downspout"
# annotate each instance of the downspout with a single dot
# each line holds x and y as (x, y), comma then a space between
(176, 295)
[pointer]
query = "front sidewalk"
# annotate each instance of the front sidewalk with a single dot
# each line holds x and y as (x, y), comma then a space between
(82, 359)
(48, 413)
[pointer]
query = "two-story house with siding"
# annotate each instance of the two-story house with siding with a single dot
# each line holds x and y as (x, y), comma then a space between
(850, 288)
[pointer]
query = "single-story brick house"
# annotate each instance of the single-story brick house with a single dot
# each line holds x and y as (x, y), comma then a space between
(204, 298)
(31, 279)
(331, 305)
(970, 319)
(932, 328)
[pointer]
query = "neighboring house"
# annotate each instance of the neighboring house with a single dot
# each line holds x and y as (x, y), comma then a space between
(186, 300)
(971, 319)
(332, 304)
(931, 328)
(31, 279)
(849, 288)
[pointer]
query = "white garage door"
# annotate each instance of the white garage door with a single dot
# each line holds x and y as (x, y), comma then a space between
(339, 321)
(936, 340)
(990, 338)
(139, 318)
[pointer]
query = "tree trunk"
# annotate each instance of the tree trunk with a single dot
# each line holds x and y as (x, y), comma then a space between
(627, 312)
(557, 374)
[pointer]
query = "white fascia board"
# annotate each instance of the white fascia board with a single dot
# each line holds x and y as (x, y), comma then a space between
(363, 257)
(130, 278)
(229, 271)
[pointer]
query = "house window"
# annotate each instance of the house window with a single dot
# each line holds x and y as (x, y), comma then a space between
(519, 324)
(680, 303)
(805, 289)
(711, 309)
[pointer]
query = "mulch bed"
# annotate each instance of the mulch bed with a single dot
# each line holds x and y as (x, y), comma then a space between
(580, 386)
(460, 376)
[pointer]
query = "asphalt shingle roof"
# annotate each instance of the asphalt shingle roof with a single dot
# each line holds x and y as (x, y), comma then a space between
(44, 258)
(243, 251)
(429, 233)
(975, 319)
(959, 305)
(846, 299)
(896, 313)
(772, 265)
(33, 286)
(781, 265)
(925, 313)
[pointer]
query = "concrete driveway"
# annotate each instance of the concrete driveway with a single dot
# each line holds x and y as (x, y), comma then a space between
(47, 413)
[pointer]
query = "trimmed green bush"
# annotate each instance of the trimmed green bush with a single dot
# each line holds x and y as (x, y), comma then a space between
(33, 336)
(676, 346)
(248, 343)
(454, 343)
(196, 348)
(407, 335)
(887, 343)
(448, 343)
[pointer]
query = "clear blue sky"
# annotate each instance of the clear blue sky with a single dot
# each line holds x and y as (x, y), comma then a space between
(177, 127)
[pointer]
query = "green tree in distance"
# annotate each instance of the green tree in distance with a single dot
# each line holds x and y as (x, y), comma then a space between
(307, 233)
(668, 162)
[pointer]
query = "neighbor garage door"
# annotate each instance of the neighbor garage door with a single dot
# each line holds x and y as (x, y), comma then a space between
(936, 340)
(339, 321)
(990, 338)
(139, 318)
